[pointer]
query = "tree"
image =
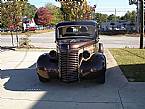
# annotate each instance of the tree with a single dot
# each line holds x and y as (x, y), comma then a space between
(76, 10)
(12, 13)
(43, 16)
(29, 10)
(129, 16)
(56, 13)
(112, 17)
(100, 18)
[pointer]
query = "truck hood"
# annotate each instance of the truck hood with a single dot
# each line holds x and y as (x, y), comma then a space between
(77, 44)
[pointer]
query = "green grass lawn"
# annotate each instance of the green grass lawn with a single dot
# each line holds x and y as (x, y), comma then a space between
(132, 62)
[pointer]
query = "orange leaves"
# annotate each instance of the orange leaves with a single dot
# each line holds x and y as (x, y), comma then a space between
(43, 16)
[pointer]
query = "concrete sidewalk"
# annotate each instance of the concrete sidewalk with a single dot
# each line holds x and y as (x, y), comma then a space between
(17, 59)
(21, 89)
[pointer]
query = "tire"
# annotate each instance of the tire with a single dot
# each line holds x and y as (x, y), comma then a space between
(43, 80)
(101, 78)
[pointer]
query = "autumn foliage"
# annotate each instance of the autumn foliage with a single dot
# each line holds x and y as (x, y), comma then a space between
(43, 16)
(77, 10)
(12, 14)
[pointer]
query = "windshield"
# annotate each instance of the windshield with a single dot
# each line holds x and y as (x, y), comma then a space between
(83, 31)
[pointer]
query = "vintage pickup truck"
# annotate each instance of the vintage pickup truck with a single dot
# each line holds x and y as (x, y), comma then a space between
(78, 54)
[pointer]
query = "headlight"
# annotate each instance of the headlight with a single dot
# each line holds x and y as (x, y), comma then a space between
(86, 54)
(53, 54)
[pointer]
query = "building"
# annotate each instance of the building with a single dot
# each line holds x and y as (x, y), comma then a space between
(118, 25)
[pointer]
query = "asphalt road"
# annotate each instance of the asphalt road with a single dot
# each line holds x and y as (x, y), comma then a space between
(120, 41)
(46, 40)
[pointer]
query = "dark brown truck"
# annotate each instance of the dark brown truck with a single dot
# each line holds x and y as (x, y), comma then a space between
(78, 56)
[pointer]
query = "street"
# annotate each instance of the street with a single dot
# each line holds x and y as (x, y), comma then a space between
(46, 40)
(120, 41)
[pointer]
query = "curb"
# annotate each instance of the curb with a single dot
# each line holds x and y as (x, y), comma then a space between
(111, 63)
(35, 49)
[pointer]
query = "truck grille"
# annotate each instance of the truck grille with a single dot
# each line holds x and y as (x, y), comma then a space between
(68, 66)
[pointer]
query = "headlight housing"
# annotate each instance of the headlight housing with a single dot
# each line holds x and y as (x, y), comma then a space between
(53, 54)
(86, 54)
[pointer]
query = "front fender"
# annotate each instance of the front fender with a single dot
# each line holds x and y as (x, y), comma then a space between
(99, 62)
(47, 67)
(96, 63)
(45, 61)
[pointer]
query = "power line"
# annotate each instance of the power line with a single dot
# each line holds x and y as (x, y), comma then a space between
(114, 10)
(111, 11)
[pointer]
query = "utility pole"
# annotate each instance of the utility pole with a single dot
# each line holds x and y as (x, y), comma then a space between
(0, 12)
(141, 23)
(115, 14)
(140, 18)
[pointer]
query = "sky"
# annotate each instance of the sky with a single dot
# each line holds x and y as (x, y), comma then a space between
(103, 6)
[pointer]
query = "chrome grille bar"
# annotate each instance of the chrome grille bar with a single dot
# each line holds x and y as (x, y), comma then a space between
(68, 65)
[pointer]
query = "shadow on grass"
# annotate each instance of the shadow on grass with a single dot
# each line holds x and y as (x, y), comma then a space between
(134, 72)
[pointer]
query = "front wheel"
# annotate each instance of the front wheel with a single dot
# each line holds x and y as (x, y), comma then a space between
(43, 80)
(101, 77)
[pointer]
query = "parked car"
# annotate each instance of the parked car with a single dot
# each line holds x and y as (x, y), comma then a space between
(1, 30)
(78, 56)
(15, 30)
(30, 29)
(4, 30)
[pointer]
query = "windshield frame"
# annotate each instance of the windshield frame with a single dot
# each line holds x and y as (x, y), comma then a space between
(75, 36)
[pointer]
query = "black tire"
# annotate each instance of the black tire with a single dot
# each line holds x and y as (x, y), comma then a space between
(101, 78)
(43, 80)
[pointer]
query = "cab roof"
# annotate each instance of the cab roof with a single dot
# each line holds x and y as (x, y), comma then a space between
(86, 22)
